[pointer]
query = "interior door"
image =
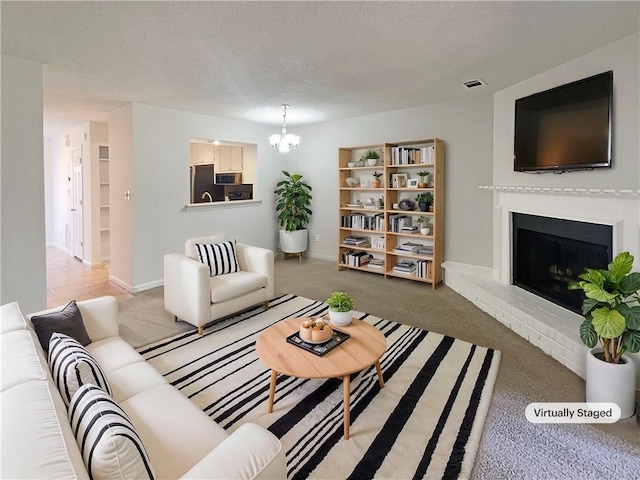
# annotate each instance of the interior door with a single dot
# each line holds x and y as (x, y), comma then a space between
(77, 222)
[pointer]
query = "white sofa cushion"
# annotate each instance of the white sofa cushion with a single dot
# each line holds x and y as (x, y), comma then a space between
(36, 437)
(109, 444)
(113, 353)
(221, 258)
(133, 379)
(234, 285)
(72, 366)
(18, 349)
(175, 432)
(12, 318)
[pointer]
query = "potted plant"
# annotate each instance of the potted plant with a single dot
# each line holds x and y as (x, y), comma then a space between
(293, 198)
(376, 181)
(611, 312)
(370, 157)
(425, 200)
(340, 309)
(424, 221)
(423, 183)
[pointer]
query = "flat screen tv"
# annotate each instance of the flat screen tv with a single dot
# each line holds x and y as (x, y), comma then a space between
(565, 128)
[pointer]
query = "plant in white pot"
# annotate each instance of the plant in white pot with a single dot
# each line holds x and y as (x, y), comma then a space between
(293, 198)
(612, 319)
(340, 309)
(423, 220)
(370, 157)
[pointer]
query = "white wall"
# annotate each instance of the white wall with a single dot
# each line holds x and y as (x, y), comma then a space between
(621, 57)
(149, 149)
(48, 155)
(465, 126)
(22, 223)
(120, 180)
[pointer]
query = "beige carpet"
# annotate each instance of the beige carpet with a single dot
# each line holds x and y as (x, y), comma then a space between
(526, 373)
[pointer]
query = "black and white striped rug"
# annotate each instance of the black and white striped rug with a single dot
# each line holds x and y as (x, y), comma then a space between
(425, 423)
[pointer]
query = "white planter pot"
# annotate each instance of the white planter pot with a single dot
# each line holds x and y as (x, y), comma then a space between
(609, 382)
(372, 162)
(425, 231)
(340, 319)
(293, 242)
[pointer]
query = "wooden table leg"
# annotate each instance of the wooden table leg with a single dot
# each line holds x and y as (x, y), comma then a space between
(346, 388)
(379, 370)
(272, 391)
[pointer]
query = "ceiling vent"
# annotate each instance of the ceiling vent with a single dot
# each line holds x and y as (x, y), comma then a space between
(474, 83)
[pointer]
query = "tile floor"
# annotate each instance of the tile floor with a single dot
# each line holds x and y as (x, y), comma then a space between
(70, 279)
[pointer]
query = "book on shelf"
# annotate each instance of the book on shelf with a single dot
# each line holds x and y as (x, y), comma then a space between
(398, 221)
(408, 247)
(422, 268)
(376, 263)
(356, 241)
(363, 222)
(356, 259)
(412, 155)
(405, 266)
(426, 250)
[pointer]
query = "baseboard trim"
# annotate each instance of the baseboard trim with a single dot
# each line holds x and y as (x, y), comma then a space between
(147, 286)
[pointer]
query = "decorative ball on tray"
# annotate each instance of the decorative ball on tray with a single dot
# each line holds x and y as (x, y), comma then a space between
(315, 330)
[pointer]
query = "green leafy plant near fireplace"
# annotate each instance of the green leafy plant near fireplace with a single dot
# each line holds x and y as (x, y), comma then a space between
(611, 310)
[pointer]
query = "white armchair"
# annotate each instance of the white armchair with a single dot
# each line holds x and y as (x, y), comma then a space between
(192, 295)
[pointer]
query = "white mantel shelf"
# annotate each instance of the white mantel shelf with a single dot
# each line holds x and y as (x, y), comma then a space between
(560, 191)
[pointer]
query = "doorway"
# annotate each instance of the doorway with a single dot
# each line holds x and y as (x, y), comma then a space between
(77, 217)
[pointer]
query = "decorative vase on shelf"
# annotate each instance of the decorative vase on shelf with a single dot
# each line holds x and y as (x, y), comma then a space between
(352, 182)
(372, 162)
(425, 231)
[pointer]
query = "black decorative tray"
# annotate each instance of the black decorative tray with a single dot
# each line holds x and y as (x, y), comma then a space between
(319, 349)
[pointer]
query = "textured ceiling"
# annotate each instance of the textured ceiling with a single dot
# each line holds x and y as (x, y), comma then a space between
(329, 60)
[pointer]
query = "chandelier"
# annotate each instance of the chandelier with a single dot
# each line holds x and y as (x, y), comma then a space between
(284, 142)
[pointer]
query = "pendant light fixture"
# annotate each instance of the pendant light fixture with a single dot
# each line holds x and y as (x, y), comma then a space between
(284, 142)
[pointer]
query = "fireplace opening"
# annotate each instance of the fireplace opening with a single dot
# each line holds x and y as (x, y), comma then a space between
(549, 253)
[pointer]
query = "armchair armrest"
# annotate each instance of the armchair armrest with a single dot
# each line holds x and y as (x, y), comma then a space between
(187, 291)
(251, 452)
(257, 260)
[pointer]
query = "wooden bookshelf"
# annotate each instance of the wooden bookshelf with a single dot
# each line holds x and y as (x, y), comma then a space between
(381, 206)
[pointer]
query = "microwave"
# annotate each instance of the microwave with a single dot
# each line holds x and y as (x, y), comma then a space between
(228, 178)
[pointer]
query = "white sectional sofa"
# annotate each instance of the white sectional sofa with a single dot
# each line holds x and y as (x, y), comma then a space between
(180, 439)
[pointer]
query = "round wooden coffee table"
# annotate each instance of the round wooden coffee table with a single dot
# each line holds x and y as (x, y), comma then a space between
(364, 348)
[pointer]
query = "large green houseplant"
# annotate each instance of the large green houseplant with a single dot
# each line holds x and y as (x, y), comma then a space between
(293, 199)
(611, 310)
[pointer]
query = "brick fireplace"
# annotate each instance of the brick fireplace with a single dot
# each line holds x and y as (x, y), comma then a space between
(547, 325)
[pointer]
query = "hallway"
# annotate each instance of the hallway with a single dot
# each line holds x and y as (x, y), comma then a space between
(70, 279)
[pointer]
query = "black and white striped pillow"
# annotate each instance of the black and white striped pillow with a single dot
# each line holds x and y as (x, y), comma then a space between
(220, 257)
(72, 366)
(108, 441)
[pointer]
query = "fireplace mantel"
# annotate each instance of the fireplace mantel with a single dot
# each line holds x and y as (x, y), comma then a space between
(560, 190)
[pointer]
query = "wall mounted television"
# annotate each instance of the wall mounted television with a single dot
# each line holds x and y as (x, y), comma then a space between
(565, 128)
